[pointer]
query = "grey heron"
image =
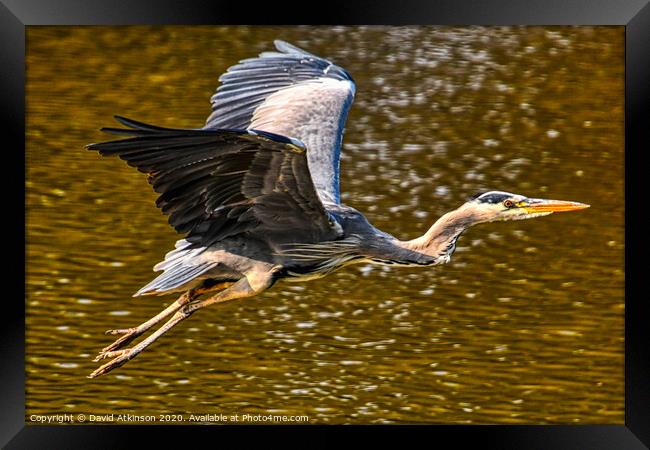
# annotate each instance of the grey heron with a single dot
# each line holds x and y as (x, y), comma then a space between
(255, 192)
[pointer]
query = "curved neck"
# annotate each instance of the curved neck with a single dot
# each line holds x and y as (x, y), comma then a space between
(440, 239)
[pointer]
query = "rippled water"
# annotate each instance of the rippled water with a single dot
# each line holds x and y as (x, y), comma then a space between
(525, 325)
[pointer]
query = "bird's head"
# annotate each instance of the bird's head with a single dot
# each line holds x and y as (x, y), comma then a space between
(500, 206)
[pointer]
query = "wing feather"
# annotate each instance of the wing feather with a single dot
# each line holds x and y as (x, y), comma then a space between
(215, 184)
(292, 93)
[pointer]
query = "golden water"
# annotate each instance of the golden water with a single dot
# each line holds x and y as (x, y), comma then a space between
(525, 325)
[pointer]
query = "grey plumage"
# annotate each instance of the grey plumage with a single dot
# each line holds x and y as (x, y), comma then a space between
(265, 166)
(248, 194)
(219, 185)
(290, 93)
(246, 85)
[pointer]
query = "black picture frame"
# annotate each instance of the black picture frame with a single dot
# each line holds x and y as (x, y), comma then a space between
(633, 14)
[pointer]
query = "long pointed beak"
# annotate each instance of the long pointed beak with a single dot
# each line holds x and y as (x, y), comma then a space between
(540, 205)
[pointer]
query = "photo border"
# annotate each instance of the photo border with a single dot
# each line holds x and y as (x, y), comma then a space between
(15, 15)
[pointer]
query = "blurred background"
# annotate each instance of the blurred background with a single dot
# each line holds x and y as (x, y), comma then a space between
(525, 325)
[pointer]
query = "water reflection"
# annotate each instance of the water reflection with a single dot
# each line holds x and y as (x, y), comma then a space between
(525, 315)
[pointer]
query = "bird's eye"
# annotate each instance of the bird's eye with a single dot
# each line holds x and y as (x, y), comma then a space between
(508, 204)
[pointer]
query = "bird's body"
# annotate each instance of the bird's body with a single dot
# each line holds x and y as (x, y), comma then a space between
(239, 256)
(256, 192)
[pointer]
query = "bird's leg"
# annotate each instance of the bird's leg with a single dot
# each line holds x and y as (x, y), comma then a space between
(129, 334)
(238, 290)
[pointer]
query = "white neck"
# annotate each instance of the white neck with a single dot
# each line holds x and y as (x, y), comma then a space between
(440, 240)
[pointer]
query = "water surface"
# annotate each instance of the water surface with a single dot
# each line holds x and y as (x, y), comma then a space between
(525, 325)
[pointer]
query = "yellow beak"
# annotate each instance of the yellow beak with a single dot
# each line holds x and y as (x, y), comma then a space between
(538, 205)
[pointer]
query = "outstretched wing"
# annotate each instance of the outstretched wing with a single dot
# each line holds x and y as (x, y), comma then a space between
(214, 184)
(290, 93)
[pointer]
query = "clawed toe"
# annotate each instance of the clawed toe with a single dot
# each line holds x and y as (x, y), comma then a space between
(121, 357)
(111, 354)
(129, 335)
(121, 331)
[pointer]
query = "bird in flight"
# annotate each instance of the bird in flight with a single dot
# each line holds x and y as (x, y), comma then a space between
(255, 192)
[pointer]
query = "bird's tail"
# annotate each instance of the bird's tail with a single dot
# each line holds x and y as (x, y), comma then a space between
(178, 273)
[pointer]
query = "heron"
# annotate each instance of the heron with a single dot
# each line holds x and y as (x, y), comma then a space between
(255, 193)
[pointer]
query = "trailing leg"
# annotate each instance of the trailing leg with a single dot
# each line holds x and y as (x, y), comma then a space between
(130, 334)
(240, 289)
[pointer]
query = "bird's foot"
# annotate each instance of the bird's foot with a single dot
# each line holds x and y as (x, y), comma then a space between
(111, 354)
(120, 331)
(120, 357)
(129, 335)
